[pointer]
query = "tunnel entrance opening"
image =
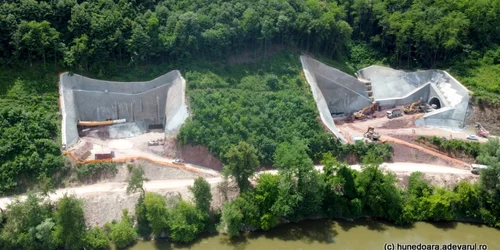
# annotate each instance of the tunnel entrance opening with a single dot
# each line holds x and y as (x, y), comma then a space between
(435, 101)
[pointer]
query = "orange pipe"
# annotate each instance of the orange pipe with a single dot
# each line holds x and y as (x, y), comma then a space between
(411, 145)
(94, 123)
(432, 152)
(184, 167)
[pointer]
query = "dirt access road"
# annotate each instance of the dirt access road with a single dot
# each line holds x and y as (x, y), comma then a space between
(102, 189)
(137, 147)
(403, 125)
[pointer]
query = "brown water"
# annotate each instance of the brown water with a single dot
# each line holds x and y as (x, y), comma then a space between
(326, 234)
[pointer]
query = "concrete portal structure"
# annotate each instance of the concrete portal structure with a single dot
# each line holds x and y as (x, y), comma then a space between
(159, 101)
(337, 93)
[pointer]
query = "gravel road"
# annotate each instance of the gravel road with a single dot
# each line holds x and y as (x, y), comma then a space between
(108, 188)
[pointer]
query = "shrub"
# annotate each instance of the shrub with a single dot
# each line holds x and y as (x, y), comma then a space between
(123, 234)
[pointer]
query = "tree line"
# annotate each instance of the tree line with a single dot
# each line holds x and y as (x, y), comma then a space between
(299, 191)
(89, 34)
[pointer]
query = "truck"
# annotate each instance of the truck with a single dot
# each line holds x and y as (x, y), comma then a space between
(476, 168)
(103, 156)
(394, 113)
(178, 162)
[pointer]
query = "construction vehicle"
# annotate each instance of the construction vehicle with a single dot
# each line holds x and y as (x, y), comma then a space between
(394, 113)
(481, 131)
(413, 108)
(371, 134)
(104, 156)
(361, 114)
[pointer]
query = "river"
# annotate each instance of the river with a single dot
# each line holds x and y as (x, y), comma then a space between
(328, 234)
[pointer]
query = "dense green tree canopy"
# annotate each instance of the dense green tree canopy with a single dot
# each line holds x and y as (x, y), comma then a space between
(242, 162)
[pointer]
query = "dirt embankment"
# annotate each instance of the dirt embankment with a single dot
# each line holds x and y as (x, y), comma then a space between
(199, 155)
(453, 154)
(106, 207)
(441, 180)
(399, 123)
(404, 153)
(488, 117)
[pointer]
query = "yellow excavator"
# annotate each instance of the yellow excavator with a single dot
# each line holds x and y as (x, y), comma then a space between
(360, 114)
(413, 108)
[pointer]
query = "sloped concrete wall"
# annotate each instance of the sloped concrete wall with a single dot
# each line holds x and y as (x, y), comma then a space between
(343, 93)
(161, 101)
(415, 95)
(391, 83)
(321, 103)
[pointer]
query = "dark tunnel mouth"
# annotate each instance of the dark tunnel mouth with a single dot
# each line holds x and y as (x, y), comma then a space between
(435, 101)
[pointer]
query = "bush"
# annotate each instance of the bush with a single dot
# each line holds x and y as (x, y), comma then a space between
(96, 239)
(185, 222)
(123, 234)
(469, 148)
(95, 171)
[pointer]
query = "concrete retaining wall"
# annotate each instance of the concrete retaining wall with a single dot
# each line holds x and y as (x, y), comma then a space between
(391, 87)
(343, 93)
(161, 101)
(321, 103)
(415, 95)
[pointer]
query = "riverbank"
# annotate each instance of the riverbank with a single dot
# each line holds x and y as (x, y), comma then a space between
(104, 201)
(337, 234)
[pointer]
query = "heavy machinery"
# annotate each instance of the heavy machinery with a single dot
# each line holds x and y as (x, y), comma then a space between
(481, 131)
(360, 114)
(371, 134)
(413, 108)
(394, 113)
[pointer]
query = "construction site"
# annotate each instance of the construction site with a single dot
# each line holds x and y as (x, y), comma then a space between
(137, 123)
(380, 104)
(123, 121)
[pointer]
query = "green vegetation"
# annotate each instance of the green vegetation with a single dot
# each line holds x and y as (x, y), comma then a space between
(242, 163)
(226, 108)
(136, 181)
(123, 233)
(183, 222)
(453, 147)
(95, 171)
(28, 150)
(37, 224)
(297, 192)
(340, 192)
